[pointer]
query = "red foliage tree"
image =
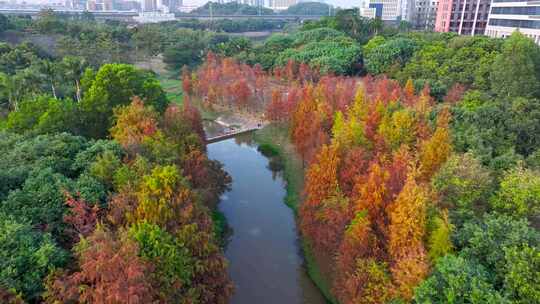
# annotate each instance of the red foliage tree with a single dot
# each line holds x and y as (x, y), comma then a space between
(290, 70)
(241, 93)
(81, 218)
(134, 123)
(455, 93)
(275, 111)
(324, 212)
(354, 164)
(192, 115)
(307, 126)
(195, 166)
(111, 272)
(187, 84)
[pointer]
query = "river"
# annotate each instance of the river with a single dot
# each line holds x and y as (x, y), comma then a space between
(264, 254)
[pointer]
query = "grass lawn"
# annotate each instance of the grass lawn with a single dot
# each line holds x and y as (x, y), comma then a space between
(274, 141)
(174, 92)
(172, 88)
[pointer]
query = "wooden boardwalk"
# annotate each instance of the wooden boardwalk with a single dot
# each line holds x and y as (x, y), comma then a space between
(225, 136)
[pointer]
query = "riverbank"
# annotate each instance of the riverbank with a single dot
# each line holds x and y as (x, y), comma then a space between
(274, 142)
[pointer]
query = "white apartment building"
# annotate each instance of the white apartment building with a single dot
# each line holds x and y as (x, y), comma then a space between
(507, 16)
(273, 4)
(426, 13)
(388, 10)
(281, 4)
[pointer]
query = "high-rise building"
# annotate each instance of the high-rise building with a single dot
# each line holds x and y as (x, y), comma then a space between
(128, 5)
(91, 5)
(281, 4)
(507, 16)
(76, 4)
(388, 10)
(99, 5)
(465, 17)
(173, 5)
(252, 2)
(108, 5)
(426, 12)
(148, 5)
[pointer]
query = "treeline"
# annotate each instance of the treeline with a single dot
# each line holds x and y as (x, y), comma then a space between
(412, 193)
(333, 45)
(182, 42)
(235, 8)
(107, 194)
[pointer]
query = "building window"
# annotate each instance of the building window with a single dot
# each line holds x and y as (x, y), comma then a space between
(530, 24)
(521, 10)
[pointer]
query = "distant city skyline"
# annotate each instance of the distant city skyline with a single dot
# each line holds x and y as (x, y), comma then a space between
(339, 3)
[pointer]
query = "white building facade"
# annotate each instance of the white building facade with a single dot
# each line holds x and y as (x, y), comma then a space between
(426, 13)
(388, 10)
(507, 16)
(281, 4)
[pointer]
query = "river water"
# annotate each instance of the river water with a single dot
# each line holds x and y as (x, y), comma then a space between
(264, 253)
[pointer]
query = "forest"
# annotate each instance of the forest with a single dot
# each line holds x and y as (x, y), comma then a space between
(420, 159)
(107, 195)
(421, 176)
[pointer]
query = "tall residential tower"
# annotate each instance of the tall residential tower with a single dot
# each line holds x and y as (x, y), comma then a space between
(388, 10)
(507, 16)
(465, 17)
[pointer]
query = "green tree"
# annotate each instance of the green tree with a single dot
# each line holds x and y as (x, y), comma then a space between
(4, 23)
(391, 54)
(463, 185)
(9, 91)
(48, 22)
(115, 85)
(522, 279)
(519, 193)
(43, 115)
(186, 49)
(173, 260)
(456, 280)
(309, 8)
(26, 257)
(73, 69)
(481, 127)
(40, 201)
(148, 40)
(105, 167)
(50, 74)
(516, 71)
(439, 240)
(485, 242)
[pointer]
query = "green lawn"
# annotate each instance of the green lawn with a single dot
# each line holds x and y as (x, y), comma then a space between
(173, 90)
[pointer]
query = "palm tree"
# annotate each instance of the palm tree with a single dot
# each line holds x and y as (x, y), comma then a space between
(48, 70)
(74, 68)
(12, 89)
(376, 25)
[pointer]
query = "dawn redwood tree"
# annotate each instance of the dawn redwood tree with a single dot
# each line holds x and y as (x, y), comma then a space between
(82, 218)
(242, 93)
(436, 150)
(187, 82)
(322, 191)
(110, 272)
(406, 233)
(134, 123)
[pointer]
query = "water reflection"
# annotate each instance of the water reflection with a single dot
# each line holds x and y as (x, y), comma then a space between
(264, 252)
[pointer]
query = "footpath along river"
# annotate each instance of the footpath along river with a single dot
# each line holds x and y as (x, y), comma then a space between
(264, 252)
